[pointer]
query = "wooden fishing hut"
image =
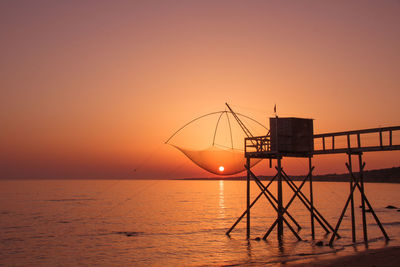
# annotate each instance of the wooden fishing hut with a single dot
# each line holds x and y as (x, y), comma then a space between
(294, 137)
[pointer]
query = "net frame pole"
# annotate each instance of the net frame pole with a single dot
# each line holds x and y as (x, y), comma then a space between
(216, 127)
(241, 124)
(230, 128)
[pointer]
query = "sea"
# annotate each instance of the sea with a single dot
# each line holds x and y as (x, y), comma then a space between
(177, 223)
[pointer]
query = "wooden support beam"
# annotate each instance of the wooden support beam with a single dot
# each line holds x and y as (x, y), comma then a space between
(353, 221)
(266, 191)
(251, 205)
(361, 166)
(355, 150)
(341, 216)
(258, 182)
(248, 201)
(356, 184)
(320, 219)
(280, 200)
(370, 207)
(310, 168)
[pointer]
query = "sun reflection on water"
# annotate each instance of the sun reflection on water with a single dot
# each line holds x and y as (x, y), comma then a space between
(221, 199)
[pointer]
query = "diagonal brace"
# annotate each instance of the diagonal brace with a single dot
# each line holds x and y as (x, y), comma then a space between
(287, 205)
(356, 183)
(272, 196)
(251, 205)
(341, 216)
(320, 219)
(261, 186)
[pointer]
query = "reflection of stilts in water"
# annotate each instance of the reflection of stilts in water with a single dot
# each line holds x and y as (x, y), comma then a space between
(280, 246)
(248, 248)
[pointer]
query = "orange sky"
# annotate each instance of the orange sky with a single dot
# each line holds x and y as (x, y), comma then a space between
(92, 89)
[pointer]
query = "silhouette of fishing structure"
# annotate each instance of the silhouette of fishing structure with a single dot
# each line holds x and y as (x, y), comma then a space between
(294, 137)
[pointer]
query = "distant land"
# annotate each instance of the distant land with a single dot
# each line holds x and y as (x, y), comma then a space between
(389, 175)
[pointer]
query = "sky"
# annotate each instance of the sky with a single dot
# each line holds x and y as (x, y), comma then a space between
(92, 89)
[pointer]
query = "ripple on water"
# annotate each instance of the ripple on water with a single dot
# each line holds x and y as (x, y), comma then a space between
(129, 234)
(69, 199)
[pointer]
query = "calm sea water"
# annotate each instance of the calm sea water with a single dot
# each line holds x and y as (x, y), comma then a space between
(156, 222)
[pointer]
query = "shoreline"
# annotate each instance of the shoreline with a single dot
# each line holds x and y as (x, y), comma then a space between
(387, 256)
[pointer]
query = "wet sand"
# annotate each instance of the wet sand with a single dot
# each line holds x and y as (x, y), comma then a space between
(389, 256)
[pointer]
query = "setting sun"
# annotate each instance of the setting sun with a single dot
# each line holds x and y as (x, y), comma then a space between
(119, 117)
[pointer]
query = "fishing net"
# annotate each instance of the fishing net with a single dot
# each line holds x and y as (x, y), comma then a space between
(215, 141)
(218, 161)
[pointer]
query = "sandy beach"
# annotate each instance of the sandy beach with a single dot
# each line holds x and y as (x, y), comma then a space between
(387, 257)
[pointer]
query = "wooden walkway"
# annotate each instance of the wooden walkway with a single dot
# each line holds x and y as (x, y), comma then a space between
(259, 146)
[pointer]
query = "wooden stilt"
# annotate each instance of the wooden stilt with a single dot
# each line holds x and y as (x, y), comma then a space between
(280, 200)
(243, 214)
(374, 215)
(311, 198)
(353, 221)
(248, 201)
(361, 179)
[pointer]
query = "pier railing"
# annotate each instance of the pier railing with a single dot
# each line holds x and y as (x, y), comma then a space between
(353, 142)
(374, 139)
(257, 144)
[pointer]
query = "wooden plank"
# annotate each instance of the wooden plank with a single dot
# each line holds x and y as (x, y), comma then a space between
(357, 150)
(364, 131)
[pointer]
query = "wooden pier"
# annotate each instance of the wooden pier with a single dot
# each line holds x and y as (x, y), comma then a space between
(293, 137)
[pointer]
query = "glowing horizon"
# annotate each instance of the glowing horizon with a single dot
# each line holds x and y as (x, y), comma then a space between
(93, 91)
